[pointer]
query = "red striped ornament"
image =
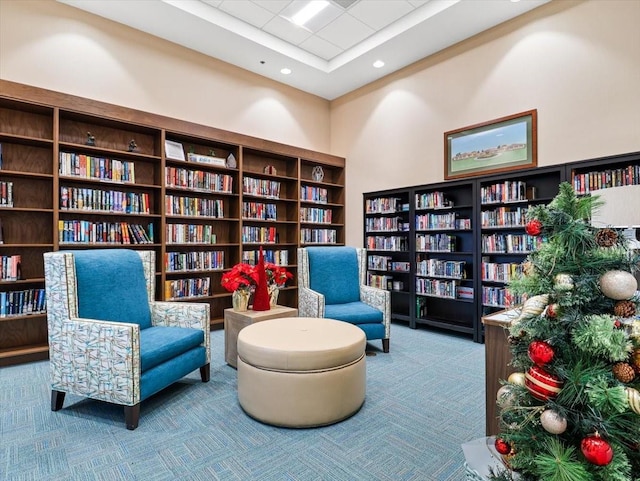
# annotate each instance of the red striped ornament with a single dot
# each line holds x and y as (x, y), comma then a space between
(541, 384)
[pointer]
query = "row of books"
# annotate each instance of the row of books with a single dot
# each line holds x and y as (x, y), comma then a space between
(261, 187)
(17, 303)
(189, 261)
(500, 297)
(432, 200)
(378, 263)
(441, 268)
(87, 232)
(190, 234)
(385, 224)
(80, 165)
(590, 181)
(259, 210)
(383, 205)
(198, 180)
(104, 200)
(508, 191)
(387, 243)
(436, 287)
(318, 236)
(510, 243)
(253, 234)
(442, 221)
(436, 242)
(6, 194)
(194, 206)
(185, 288)
(314, 194)
(379, 281)
(315, 215)
(500, 272)
(504, 217)
(277, 257)
(10, 267)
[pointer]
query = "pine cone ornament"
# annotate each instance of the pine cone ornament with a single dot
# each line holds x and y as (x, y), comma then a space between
(624, 309)
(606, 237)
(635, 361)
(623, 372)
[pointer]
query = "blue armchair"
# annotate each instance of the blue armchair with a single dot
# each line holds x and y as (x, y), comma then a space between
(108, 339)
(331, 284)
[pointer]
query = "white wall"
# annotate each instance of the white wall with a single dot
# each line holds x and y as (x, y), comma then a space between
(57, 47)
(576, 62)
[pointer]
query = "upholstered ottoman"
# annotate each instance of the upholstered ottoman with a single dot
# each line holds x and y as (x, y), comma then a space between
(301, 372)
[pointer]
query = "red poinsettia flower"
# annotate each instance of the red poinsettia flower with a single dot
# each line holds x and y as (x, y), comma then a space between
(277, 274)
(241, 276)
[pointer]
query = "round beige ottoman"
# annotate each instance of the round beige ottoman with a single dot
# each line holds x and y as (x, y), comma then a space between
(301, 372)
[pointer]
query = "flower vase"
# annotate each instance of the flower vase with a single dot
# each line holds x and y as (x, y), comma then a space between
(240, 300)
(274, 290)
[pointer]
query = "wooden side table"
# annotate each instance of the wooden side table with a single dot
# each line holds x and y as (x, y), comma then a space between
(497, 360)
(235, 321)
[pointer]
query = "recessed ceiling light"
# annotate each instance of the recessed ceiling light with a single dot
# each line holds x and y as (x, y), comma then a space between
(285, 71)
(309, 11)
(378, 64)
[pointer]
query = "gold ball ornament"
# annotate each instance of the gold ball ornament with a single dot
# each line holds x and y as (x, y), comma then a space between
(516, 378)
(633, 396)
(563, 282)
(553, 422)
(618, 285)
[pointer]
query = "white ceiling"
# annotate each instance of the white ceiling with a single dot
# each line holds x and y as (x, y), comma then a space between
(329, 57)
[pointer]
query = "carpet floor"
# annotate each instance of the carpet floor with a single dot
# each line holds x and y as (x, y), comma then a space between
(424, 399)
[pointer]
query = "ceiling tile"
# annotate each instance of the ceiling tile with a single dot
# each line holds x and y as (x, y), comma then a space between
(247, 11)
(213, 3)
(320, 47)
(274, 6)
(326, 16)
(286, 30)
(378, 14)
(345, 31)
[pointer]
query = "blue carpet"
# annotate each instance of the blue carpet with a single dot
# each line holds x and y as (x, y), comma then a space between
(424, 399)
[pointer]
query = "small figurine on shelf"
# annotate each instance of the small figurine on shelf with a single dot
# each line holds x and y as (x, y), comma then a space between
(91, 140)
(212, 152)
(317, 173)
(132, 145)
(270, 169)
(231, 162)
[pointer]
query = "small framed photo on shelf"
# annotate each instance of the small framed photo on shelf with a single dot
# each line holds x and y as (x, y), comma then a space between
(173, 150)
(500, 145)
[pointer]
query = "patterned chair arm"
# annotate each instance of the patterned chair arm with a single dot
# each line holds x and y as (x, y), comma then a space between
(310, 303)
(381, 300)
(183, 314)
(97, 359)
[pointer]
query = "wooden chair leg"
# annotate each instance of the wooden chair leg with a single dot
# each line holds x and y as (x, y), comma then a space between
(385, 345)
(132, 416)
(57, 399)
(205, 372)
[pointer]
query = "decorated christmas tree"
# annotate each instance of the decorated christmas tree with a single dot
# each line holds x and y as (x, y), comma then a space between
(571, 411)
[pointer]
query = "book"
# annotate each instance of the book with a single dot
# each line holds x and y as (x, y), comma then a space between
(207, 159)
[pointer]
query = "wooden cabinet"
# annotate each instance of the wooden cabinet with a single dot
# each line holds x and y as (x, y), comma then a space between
(81, 174)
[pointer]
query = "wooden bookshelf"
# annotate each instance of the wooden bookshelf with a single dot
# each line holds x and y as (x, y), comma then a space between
(86, 174)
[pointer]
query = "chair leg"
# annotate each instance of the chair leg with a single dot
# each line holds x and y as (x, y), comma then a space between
(132, 416)
(205, 372)
(385, 345)
(57, 398)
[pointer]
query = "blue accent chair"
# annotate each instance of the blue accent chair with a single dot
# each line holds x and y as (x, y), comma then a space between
(331, 284)
(108, 339)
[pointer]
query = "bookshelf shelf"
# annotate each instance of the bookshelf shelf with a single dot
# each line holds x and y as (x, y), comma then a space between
(56, 143)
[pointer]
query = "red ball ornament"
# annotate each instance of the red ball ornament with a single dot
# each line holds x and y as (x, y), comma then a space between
(533, 227)
(596, 450)
(541, 352)
(502, 446)
(552, 311)
(541, 384)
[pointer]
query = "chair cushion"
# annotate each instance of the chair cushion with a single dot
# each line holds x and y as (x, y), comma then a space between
(159, 344)
(353, 312)
(112, 286)
(333, 272)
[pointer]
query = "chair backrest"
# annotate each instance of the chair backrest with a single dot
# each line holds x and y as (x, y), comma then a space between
(334, 272)
(104, 284)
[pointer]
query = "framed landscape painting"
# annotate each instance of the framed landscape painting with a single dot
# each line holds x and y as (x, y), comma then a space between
(499, 145)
